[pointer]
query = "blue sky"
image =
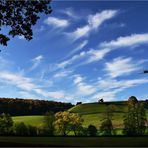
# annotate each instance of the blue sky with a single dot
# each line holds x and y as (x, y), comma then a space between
(82, 51)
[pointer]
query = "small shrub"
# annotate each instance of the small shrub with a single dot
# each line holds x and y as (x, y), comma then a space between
(106, 127)
(92, 130)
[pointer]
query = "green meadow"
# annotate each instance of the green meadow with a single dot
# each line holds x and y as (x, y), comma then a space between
(30, 120)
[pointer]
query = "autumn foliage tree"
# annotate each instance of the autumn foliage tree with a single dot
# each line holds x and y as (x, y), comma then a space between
(76, 123)
(66, 122)
(20, 16)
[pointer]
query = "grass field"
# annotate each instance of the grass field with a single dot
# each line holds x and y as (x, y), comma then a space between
(30, 120)
(75, 141)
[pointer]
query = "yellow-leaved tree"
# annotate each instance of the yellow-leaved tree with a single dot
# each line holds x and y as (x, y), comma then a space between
(66, 122)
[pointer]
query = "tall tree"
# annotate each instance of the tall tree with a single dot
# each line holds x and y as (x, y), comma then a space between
(20, 16)
(135, 118)
(49, 119)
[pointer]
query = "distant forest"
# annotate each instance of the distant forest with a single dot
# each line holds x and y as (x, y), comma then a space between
(17, 107)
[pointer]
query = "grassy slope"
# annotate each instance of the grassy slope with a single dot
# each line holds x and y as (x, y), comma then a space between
(92, 113)
(92, 108)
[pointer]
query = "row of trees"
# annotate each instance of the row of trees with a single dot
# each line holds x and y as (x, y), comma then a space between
(61, 123)
(18, 107)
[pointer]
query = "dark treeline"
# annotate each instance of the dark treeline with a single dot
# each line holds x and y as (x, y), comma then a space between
(17, 107)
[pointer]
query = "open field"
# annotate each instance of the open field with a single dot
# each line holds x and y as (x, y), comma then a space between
(74, 141)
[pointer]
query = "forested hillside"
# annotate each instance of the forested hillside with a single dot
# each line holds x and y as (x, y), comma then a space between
(17, 107)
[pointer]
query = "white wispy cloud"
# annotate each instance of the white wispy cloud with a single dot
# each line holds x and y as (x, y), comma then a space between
(70, 13)
(78, 79)
(5, 64)
(62, 74)
(36, 61)
(82, 88)
(86, 57)
(56, 22)
(78, 48)
(134, 39)
(80, 32)
(121, 66)
(112, 83)
(26, 84)
(109, 88)
(94, 22)
(104, 48)
(107, 95)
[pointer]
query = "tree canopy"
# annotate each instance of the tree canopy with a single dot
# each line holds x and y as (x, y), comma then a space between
(20, 16)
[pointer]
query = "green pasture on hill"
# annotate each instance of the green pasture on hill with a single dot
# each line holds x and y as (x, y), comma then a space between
(93, 108)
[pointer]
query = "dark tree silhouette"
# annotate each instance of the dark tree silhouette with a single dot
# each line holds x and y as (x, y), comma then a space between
(92, 130)
(101, 100)
(6, 124)
(78, 103)
(49, 122)
(20, 16)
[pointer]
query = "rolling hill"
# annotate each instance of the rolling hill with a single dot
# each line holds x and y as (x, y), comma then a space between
(92, 113)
